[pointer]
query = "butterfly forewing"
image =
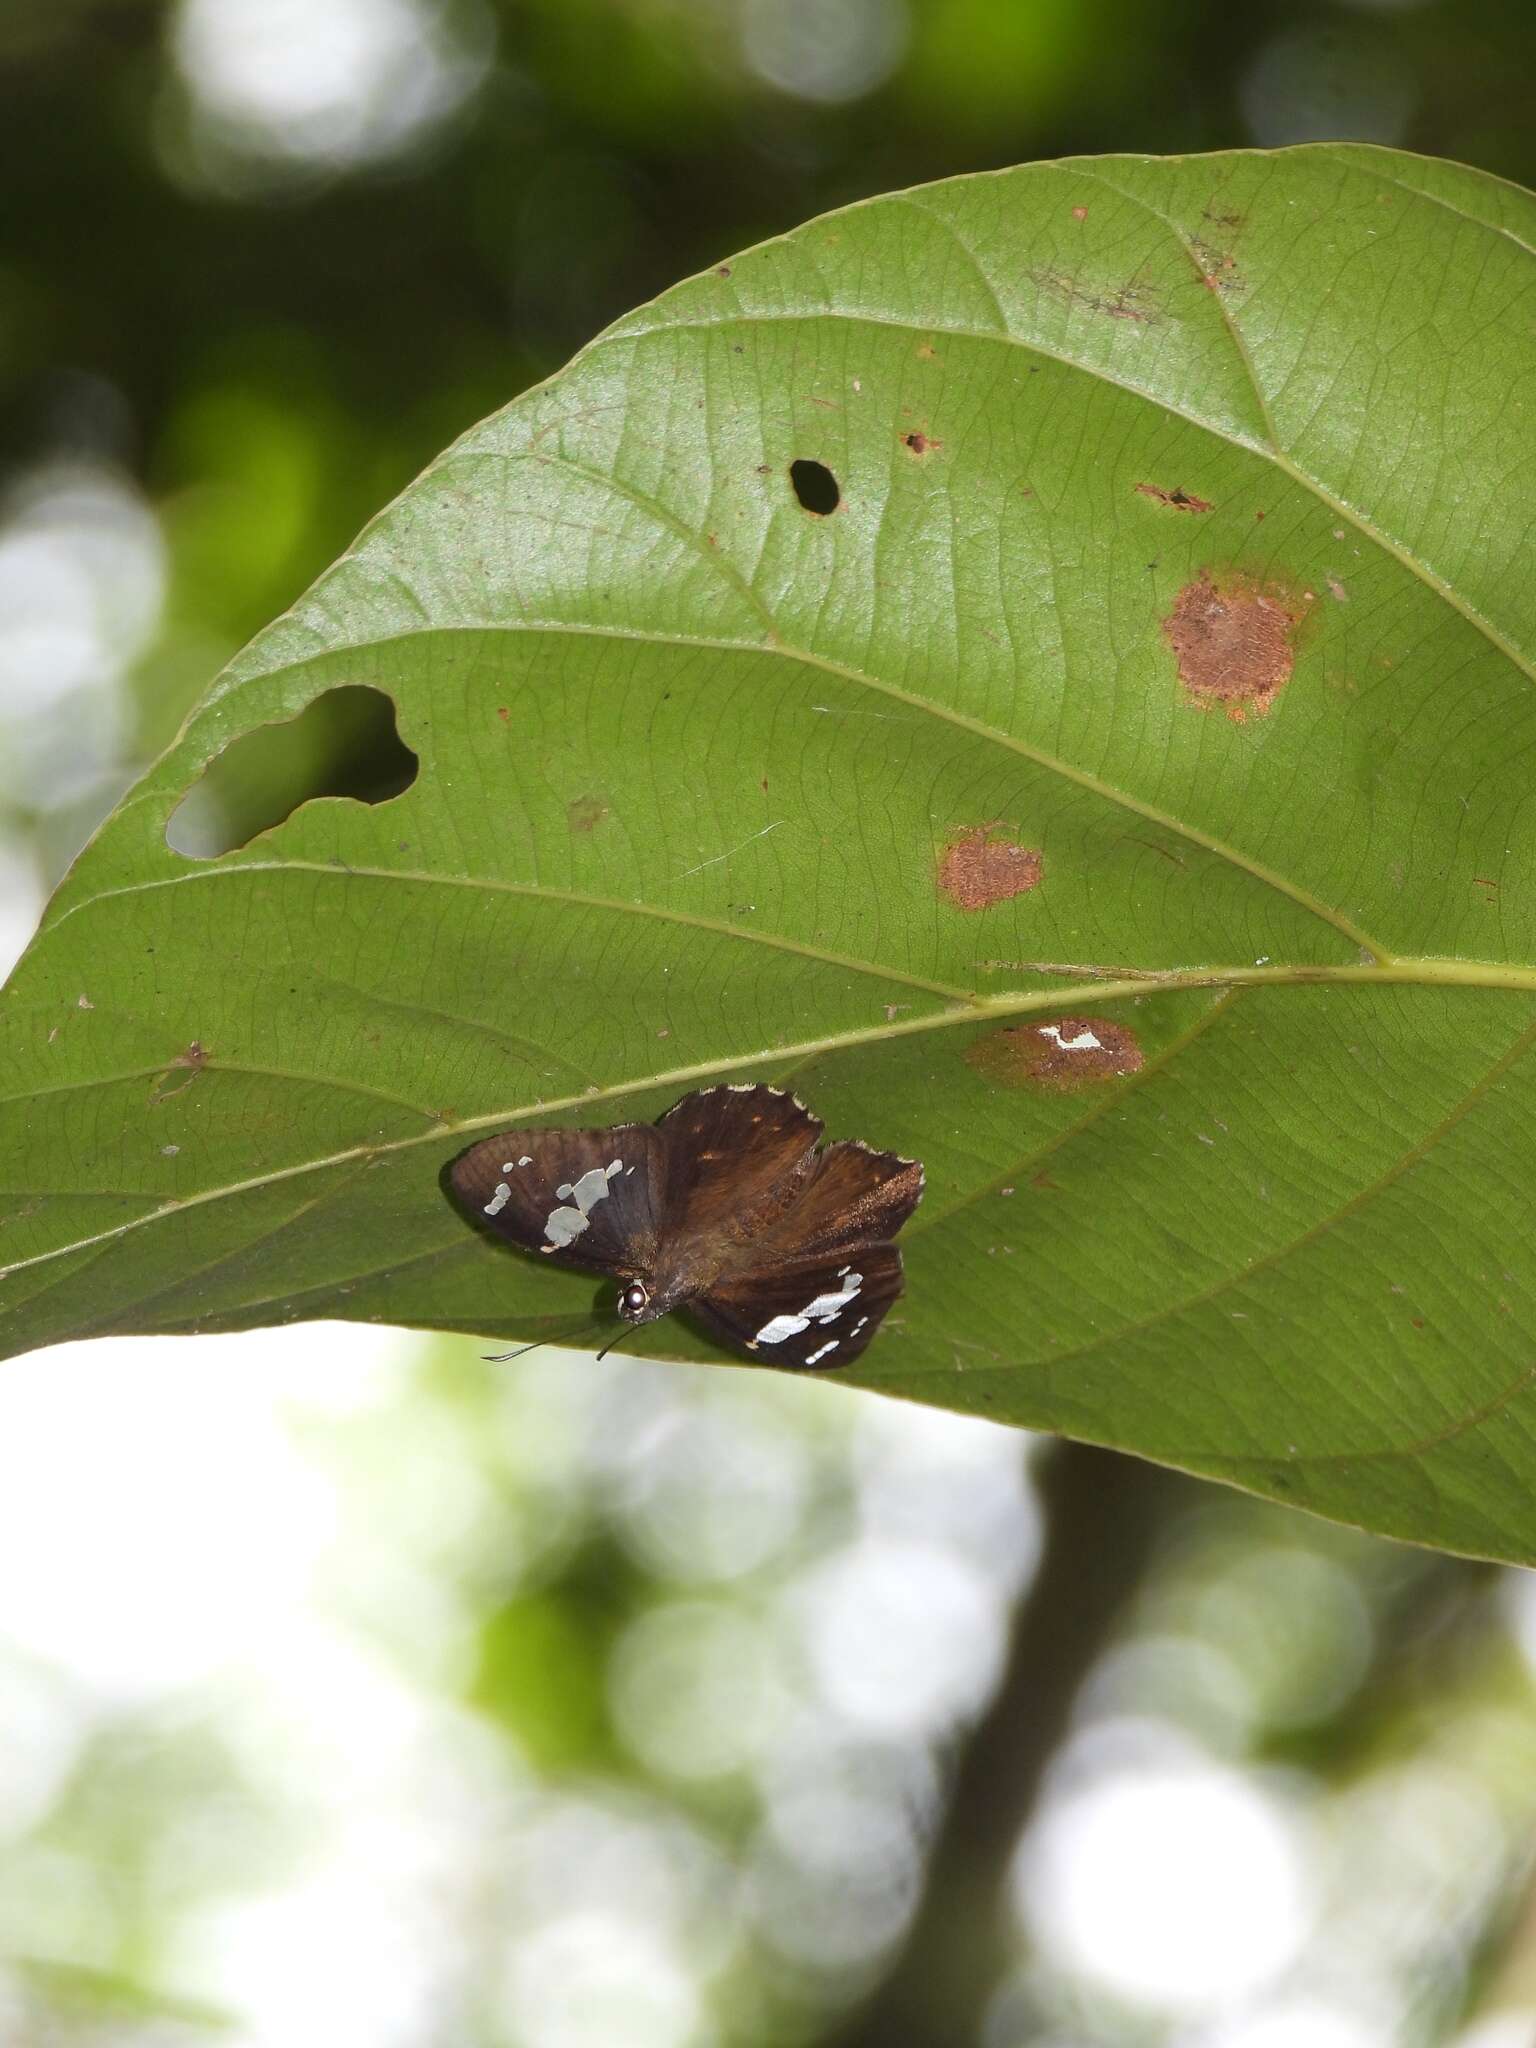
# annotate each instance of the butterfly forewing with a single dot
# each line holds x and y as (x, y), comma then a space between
(737, 1156)
(818, 1311)
(592, 1199)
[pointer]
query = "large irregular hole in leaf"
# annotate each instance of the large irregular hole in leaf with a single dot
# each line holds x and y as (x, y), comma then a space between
(343, 744)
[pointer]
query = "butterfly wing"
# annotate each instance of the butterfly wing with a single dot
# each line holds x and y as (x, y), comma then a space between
(737, 1158)
(818, 1311)
(591, 1199)
(854, 1196)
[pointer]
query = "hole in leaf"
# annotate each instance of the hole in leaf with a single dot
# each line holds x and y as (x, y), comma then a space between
(343, 744)
(815, 486)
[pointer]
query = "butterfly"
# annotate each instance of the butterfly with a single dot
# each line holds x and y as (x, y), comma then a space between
(724, 1207)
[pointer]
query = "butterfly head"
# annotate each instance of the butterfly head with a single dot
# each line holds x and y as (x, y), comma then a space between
(637, 1304)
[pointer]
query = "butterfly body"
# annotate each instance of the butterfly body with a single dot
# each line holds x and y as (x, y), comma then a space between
(725, 1207)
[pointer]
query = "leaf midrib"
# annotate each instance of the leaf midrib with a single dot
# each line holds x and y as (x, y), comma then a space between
(1397, 973)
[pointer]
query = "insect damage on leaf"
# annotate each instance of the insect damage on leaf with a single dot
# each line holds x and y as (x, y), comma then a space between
(191, 1063)
(584, 813)
(344, 743)
(816, 488)
(1178, 500)
(1129, 301)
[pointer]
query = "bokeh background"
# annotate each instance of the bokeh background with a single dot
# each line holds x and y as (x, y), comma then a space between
(356, 1693)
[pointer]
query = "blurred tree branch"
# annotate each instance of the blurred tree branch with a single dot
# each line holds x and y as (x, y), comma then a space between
(1102, 1512)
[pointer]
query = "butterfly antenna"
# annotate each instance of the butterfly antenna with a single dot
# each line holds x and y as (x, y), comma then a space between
(627, 1331)
(501, 1357)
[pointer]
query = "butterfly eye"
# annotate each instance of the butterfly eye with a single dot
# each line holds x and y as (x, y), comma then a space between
(634, 1300)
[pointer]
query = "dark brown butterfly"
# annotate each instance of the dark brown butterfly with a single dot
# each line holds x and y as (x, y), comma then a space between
(724, 1207)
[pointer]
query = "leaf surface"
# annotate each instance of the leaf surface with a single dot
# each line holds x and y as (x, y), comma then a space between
(1122, 801)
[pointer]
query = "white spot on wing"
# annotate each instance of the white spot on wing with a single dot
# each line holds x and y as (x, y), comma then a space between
(562, 1225)
(499, 1200)
(831, 1345)
(781, 1327)
(591, 1189)
(824, 1308)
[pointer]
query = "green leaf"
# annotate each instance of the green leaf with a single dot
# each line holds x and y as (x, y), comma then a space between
(1122, 800)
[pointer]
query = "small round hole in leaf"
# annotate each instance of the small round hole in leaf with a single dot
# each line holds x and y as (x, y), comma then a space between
(343, 744)
(815, 486)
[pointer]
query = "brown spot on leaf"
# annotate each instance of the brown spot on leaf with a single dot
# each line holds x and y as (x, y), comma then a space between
(1337, 590)
(1179, 500)
(1232, 640)
(723, 270)
(1079, 213)
(919, 443)
(977, 869)
(926, 352)
(582, 813)
(1059, 1057)
(503, 712)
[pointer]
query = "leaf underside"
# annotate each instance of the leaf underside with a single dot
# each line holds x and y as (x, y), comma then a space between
(1163, 678)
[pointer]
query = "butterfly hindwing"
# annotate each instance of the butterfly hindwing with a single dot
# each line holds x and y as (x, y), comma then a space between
(737, 1156)
(818, 1311)
(592, 1199)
